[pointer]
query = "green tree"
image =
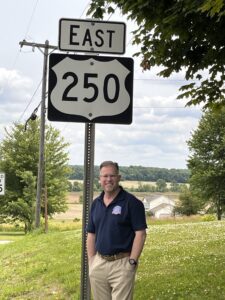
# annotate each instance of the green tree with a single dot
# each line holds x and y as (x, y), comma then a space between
(179, 35)
(188, 204)
(144, 187)
(161, 185)
(97, 185)
(19, 160)
(138, 173)
(23, 209)
(207, 160)
(174, 186)
(70, 186)
(77, 186)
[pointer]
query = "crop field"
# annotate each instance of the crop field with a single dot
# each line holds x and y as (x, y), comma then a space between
(74, 210)
(127, 183)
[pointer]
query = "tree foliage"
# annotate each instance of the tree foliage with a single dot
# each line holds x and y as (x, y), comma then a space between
(161, 185)
(179, 35)
(188, 204)
(19, 152)
(207, 160)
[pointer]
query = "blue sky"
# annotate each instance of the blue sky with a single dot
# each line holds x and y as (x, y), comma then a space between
(161, 124)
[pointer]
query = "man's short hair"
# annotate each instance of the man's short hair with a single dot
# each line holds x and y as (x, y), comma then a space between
(109, 163)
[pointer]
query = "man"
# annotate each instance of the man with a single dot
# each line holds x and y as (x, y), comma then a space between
(115, 239)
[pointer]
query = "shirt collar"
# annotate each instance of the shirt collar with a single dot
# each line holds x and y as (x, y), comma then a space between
(117, 198)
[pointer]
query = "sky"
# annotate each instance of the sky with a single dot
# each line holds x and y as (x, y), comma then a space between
(161, 124)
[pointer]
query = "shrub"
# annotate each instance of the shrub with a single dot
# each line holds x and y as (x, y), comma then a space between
(208, 218)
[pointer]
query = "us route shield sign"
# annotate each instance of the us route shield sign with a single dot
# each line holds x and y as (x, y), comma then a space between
(90, 89)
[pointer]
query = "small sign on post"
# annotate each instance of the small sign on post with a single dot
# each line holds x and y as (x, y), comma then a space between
(2, 183)
(92, 36)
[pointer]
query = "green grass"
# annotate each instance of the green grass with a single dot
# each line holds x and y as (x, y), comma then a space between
(41, 266)
(180, 261)
(183, 261)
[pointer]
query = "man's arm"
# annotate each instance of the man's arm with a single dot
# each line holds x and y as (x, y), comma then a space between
(138, 244)
(91, 245)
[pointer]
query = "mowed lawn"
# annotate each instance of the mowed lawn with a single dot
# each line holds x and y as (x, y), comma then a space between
(180, 261)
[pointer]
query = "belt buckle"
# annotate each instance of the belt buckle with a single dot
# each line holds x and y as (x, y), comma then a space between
(110, 257)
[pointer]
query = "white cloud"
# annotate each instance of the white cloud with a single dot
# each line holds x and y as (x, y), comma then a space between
(15, 92)
(14, 87)
(13, 79)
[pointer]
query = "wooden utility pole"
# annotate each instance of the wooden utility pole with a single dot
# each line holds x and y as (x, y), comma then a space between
(46, 209)
(40, 178)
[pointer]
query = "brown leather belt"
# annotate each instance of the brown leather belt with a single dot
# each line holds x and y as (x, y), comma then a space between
(114, 256)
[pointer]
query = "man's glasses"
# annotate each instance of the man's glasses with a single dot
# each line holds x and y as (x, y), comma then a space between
(108, 176)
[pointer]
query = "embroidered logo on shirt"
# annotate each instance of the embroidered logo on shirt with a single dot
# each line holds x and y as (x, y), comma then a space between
(117, 210)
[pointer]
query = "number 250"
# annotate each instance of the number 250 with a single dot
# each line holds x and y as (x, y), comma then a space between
(88, 84)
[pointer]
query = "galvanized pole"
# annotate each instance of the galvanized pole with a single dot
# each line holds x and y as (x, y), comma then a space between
(85, 293)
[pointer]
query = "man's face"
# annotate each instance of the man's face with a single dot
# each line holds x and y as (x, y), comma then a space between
(109, 179)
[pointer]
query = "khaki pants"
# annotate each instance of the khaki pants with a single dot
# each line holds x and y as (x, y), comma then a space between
(111, 280)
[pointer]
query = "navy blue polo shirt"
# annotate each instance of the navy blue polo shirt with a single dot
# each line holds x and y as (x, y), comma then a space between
(114, 226)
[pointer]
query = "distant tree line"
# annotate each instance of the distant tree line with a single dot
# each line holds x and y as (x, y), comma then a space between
(159, 186)
(139, 173)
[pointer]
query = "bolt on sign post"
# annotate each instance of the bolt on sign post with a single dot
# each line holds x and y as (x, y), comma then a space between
(90, 89)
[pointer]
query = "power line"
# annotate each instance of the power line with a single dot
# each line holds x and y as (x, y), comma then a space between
(15, 59)
(17, 56)
(31, 100)
(85, 8)
(159, 79)
(28, 27)
(32, 117)
(31, 18)
(163, 107)
(27, 30)
(34, 45)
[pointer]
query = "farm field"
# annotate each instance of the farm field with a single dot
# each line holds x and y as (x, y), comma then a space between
(179, 261)
(74, 210)
(127, 183)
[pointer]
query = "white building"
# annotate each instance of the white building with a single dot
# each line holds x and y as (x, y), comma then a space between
(160, 206)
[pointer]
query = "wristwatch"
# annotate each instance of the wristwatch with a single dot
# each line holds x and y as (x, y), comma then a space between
(132, 262)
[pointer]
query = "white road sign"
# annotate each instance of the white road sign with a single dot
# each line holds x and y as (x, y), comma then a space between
(2, 183)
(94, 89)
(92, 36)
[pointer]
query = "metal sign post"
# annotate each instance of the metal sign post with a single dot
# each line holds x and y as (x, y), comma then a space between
(87, 199)
(90, 89)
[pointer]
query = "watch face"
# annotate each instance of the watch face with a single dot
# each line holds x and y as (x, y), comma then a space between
(132, 261)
